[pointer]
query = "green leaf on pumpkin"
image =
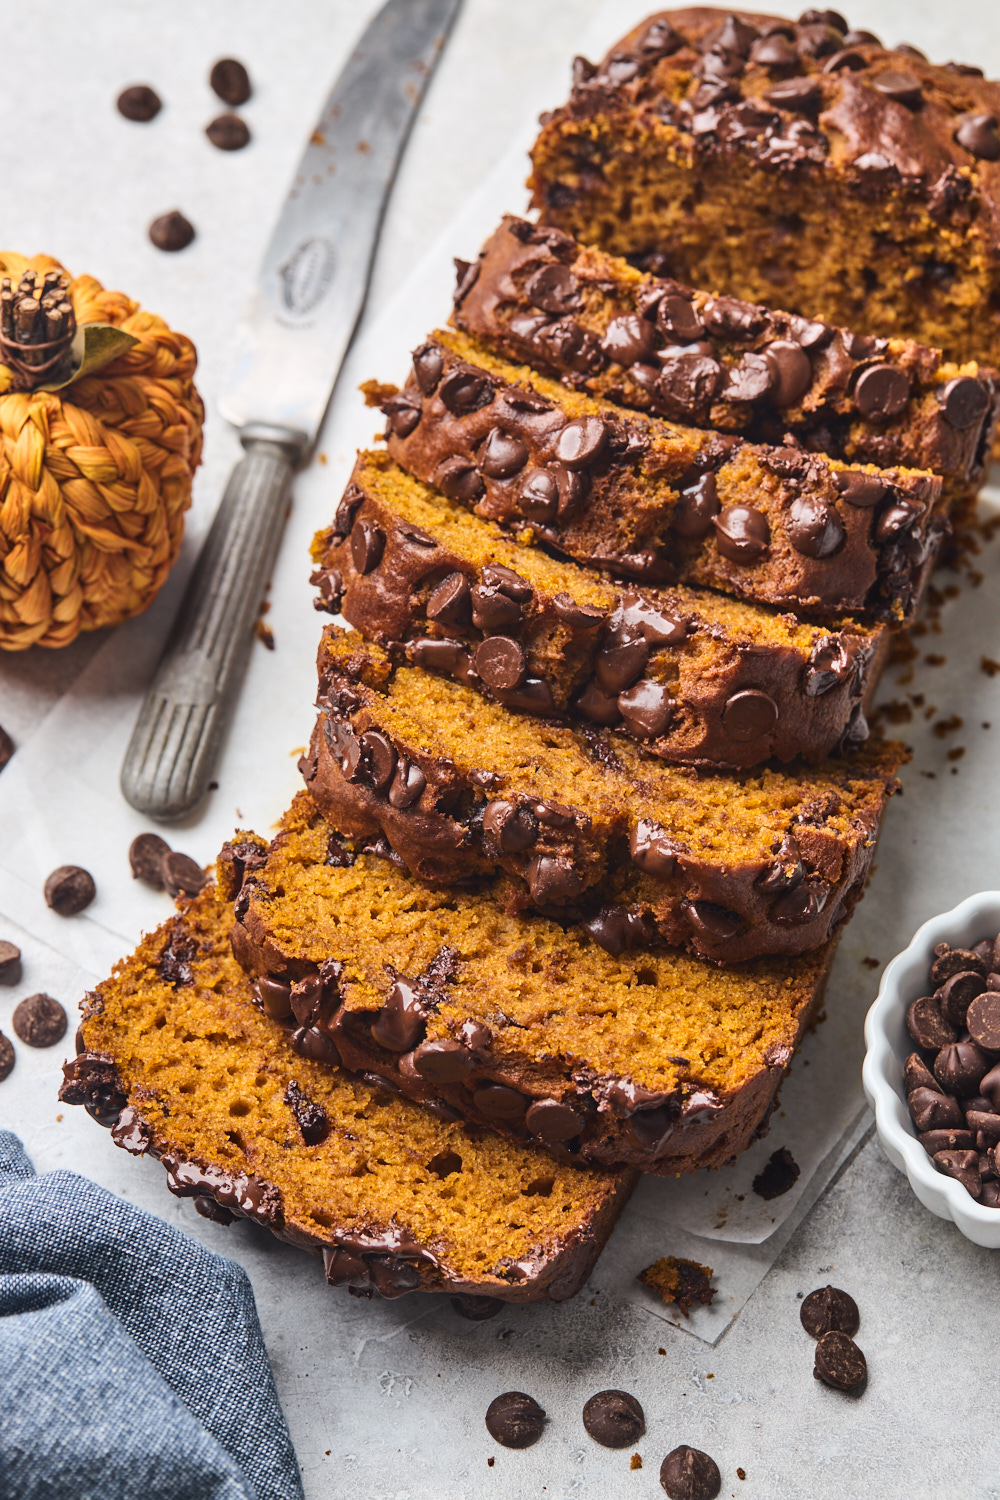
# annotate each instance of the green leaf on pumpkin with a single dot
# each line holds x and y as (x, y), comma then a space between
(94, 345)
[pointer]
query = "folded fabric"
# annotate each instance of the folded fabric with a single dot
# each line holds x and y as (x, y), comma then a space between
(131, 1358)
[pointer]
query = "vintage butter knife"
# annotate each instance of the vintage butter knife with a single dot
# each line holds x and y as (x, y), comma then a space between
(297, 330)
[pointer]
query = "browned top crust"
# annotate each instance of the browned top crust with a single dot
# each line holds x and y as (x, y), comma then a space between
(600, 325)
(712, 74)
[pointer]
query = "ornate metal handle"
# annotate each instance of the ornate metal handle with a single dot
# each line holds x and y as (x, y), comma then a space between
(177, 736)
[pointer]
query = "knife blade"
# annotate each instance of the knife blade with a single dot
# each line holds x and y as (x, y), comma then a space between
(289, 350)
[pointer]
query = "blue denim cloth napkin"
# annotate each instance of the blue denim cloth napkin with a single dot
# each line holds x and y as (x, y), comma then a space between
(131, 1359)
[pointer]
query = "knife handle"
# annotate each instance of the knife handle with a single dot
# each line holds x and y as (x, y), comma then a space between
(176, 740)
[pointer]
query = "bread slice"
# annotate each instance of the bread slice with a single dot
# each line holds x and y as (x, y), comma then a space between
(697, 678)
(731, 865)
(656, 502)
(181, 1062)
(595, 322)
(657, 1060)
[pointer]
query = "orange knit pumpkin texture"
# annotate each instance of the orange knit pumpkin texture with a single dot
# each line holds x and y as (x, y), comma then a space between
(95, 478)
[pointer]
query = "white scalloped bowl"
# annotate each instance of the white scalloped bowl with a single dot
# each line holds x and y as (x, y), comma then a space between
(888, 1045)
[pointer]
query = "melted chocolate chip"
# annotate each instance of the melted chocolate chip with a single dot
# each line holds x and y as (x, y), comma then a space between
(730, 318)
(964, 401)
(839, 1362)
(863, 491)
(696, 509)
(511, 828)
(402, 414)
(652, 849)
(407, 785)
(493, 608)
(677, 319)
(578, 617)
(39, 1021)
(378, 759)
(451, 601)
(629, 340)
(554, 289)
(749, 714)
(580, 441)
(367, 546)
(401, 1023)
(502, 455)
(428, 365)
(539, 496)
(459, 479)
(687, 383)
(751, 379)
(614, 1419)
(689, 1474)
(597, 706)
(69, 890)
(621, 661)
(903, 88)
(442, 1061)
(647, 709)
(742, 533)
(464, 391)
(791, 370)
(709, 920)
(774, 52)
(800, 95)
(814, 528)
(500, 663)
(466, 276)
(779, 1175)
(552, 880)
(498, 1102)
(274, 997)
(882, 392)
(515, 1420)
(553, 1122)
(310, 1117)
(979, 135)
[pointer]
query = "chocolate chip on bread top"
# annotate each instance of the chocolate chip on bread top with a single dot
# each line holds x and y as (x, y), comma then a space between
(695, 677)
(654, 501)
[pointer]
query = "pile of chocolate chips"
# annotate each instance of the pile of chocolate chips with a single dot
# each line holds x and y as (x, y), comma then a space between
(953, 1083)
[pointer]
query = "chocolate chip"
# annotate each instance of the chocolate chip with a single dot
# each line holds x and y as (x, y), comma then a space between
(39, 1021)
(882, 392)
(145, 856)
(791, 369)
(230, 80)
(687, 383)
(696, 509)
(459, 479)
(799, 905)
(597, 706)
(751, 379)
(980, 136)
(171, 231)
(503, 456)
(464, 391)
(580, 441)
(779, 1175)
(845, 58)
(538, 496)
(552, 880)
(620, 662)
(742, 533)
(983, 1020)
(647, 709)
(861, 38)
(10, 962)
(934, 1141)
(497, 1102)
(442, 1062)
(378, 758)
(930, 1110)
(813, 527)
(400, 1024)
(69, 890)
(731, 318)
(949, 961)
(553, 814)
(493, 608)
(554, 289)
(451, 601)
(466, 276)
(957, 993)
(863, 491)
(904, 88)
(6, 747)
(407, 785)
(310, 1117)
(749, 714)
(629, 340)
(652, 849)
(709, 920)
(553, 1122)
(839, 1362)
(689, 1474)
(139, 102)
(274, 996)
(511, 828)
(578, 616)
(182, 875)
(964, 401)
(367, 546)
(500, 662)
(6, 1057)
(774, 51)
(800, 95)
(960, 1067)
(228, 133)
(963, 1166)
(658, 626)
(614, 1419)
(476, 1309)
(916, 1074)
(568, 343)
(534, 696)
(515, 1420)
(677, 319)
(828, 1309)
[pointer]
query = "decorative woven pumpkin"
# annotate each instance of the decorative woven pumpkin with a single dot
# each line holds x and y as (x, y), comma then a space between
(95, 476)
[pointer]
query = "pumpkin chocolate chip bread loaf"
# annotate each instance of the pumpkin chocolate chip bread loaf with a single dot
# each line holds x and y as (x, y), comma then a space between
(598, 324)
(181, 1062)
(659, 1061)
(797, 164)
(731, 865)
(656, 502)
(696, 677)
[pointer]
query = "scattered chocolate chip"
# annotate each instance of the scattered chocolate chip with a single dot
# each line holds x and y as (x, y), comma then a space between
(904, 88)
(554, 289)
(780, 1174)
(139, 102)
(515, 1420)
(39, 1021)
(476, 1309)
(6, 1057)
(69, 890)
(839, 1362)
(927, 1026)
(696, 509)
(228, 133)
(689, 1474)
(629, 340)
(964, 401)
(182, 875)
(980, 136)
(553, 1122)
(749, 714)
(10, 962)
(503, 456)
(367, 546)
(800, 95)
(614, 1419)
(145, 856)
(742, 533)
(882, 392)
(863, 491)
(500, 662)
(171, 231)
(829, 1309)
(814, 528)
(230, 81)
